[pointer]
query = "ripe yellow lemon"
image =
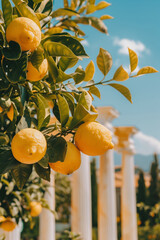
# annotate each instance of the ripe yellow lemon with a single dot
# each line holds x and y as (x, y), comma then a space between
(8, 225)
(71, 162)
(1, 110)
(29, 146)
(33, 74)
(36, 208)
(25, 32)
(93, 139)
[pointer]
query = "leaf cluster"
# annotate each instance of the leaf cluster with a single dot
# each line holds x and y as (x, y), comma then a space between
(67, 86)
(15, 203)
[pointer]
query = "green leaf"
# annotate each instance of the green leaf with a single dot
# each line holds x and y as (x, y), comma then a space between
(106, 17)
(56, 73)
(7, 12)
(81, 115)
(102, 5)
(43, 110)
(85, 100)
(89, 72)
(25, 121)
(25, 11)
(70, 42)
(55, 49)
(7, 161)
(63, 109)
(21, 174)
(123, 90)
(44, 161)
(13, 52)
(42, 172)
(104, 61)
(4, 83)
(53, 69)
(133, 59)
(66, 63)
(79, 75)
(120, 74)
(37, 57)
(65, 2)
(63, 12)
(70, 100)
(95, 91)
(94, 22)
(45, 7)
(146, 70)
(57, 147)
(16, 70)
(4, 139)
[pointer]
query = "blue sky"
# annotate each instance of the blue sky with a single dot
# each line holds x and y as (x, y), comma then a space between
(135, 25)
(138, 23)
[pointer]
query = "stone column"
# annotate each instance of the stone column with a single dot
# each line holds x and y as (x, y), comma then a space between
(47, 219)
(107, 221)
(81, 220)
(128, 194)
(14, 235)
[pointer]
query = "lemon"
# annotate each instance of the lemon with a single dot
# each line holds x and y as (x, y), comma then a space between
(29, 146)
(93, 139)
(33, 74)
(36, 208)
(1, 110)
(8, 225)
(71, 162)
(25, 32)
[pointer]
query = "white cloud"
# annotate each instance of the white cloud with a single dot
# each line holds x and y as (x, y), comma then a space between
(146, 145)
(125, 43)
(85, 43)
(127, 68)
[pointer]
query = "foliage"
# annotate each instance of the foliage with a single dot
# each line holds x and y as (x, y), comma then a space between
(141, 191)
(15, 203)
(141, 197)
(147, 232)
(61, 46)
(94, 193)
(151, 214)
(63, 198)
(67, 235)
(154, 196)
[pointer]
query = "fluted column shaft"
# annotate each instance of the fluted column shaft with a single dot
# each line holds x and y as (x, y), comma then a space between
(128, 193)
(47, 219)
(107, 226)
(81, 219)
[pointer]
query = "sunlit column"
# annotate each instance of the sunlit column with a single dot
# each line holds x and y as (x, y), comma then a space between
(107, 224)
(47, 219)
(128, 194)
(81, 219)
(14, 235)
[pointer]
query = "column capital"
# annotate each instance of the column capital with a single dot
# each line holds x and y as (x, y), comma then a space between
(107, 114)
(124, 141)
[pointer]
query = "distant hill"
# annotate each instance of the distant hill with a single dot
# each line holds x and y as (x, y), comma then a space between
(141, 161)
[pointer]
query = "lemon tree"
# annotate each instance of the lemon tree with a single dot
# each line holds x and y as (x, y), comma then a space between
(23, 204)
(40, 50)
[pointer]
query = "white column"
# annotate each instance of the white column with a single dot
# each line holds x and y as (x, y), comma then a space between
(128, 193)
(81, 217)
(14, 235)
(107, 221)
(47, 219)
